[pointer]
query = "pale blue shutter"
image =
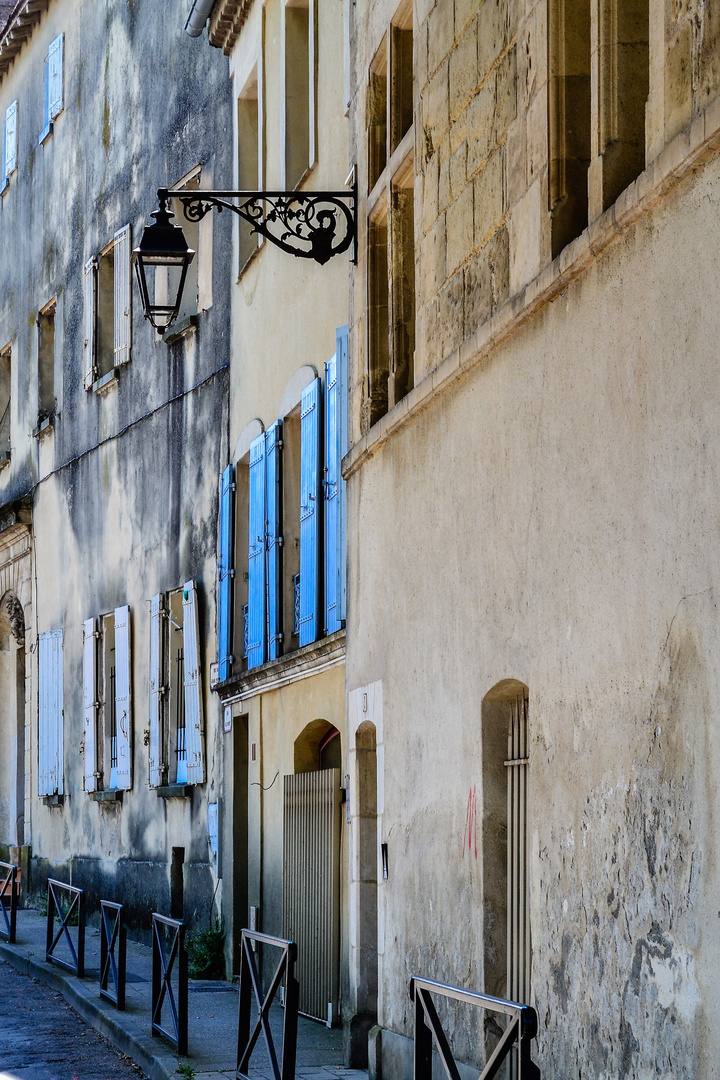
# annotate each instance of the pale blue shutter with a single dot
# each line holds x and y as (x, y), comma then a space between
(192, 687)
(330, 490)
(4, 179)
(273, 457)
(225, 575)
(10, 154)
(50, 713)
(46, 102)
(341, 360)
(90, 706)
(55, 77)
(156, 691)
(310, 503)
(123, 697)
(256, 554)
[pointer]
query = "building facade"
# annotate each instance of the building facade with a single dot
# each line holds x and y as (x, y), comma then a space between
(112, 439)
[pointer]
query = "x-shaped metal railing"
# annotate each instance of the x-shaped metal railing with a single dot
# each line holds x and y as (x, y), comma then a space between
(113, 939)
(162, 970)
(75, 909)
(8, 900)
(250, 983)
(520, 1030)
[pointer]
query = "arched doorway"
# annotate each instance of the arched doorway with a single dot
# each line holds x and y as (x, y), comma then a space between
(12, 722)
(506, 919)
(311, 867)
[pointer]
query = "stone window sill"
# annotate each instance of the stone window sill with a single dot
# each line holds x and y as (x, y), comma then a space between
(108, 795)
(180, 328)
(44, 427)
(53, 800)
(105, 382)
(175, 791)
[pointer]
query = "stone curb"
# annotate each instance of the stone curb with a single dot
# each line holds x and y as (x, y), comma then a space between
(123, 1031)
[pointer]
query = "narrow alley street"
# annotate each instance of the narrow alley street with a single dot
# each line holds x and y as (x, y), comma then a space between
(43, 1038)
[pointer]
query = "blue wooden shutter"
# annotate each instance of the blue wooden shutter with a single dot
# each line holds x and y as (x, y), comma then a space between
(90, 706)
(225, 575)
(156, 690)
(310, 520)
(10, 152)
(55, 77)
(330, 489)
(46, 103)
(256, 554)
(273, 457)
(123, 697)
(192, 686)
(341, 360)
(50, 712)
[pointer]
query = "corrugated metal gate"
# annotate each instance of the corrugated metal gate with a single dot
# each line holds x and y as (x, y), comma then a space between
(311, 886)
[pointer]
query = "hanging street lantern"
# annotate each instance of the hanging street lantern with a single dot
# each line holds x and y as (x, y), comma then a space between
(161, 263)
(308, 224)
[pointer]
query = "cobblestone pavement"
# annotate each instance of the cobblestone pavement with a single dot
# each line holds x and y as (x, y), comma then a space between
(43, 1038)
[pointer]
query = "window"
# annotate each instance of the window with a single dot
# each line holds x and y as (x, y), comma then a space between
(249, 159)
(5, 403)
(46, 366)
(53, 86)
(108, 310)
(50, 713)
(176, 715)
(569, 104)
(299, 70)
(107, 724)
(289, 524)
(391, 220)
(597, 144)
(9, 144)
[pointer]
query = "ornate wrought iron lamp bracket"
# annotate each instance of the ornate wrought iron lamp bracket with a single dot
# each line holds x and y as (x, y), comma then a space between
(308, 224)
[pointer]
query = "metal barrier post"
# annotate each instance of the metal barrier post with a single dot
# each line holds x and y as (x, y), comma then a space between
(521, 1029)
(162, 969)
(250, 981)
(8, 914)
(77, 905)
(113, 937)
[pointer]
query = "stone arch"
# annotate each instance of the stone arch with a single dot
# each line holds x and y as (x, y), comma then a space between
(310, 743)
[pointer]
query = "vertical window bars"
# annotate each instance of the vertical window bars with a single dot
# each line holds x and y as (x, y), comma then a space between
(181, 777)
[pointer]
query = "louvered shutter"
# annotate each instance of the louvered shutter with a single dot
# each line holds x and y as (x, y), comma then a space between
(46, 102)
(123, 703)
(10, 138)
(310, 518)
(89, 279)
(90, 705)
(50, 714)
(330, 492)
(225, 574)
(122, 308)
(256, 554)
(55, 77)
(156, 690)
(193, 690)
(273, 457)
(341, 360)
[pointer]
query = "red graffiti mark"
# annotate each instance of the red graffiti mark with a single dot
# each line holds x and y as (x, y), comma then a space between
(470, 837)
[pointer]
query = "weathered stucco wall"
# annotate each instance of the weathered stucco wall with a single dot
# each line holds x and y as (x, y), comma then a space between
(554, 521)
(124, 486)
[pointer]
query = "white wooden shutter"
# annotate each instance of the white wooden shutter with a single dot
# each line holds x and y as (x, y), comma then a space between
(122, 696)
(193, 692)
(90, 274)
(156, 688)
(121, 270)
(50, 713)
(55, 77)
(11, 138)
(90, 704)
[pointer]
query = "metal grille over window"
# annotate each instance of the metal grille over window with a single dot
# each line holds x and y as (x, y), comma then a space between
(518, 922)
(180, 721)
(296, 604)
(113, 730)
(246, 629)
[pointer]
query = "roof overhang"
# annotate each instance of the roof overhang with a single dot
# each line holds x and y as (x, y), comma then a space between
(226, 22)
(19, 25)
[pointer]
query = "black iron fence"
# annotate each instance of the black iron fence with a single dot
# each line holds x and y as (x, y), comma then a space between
(71, 914)
(520, 1030)
(113, 950)
(170, 932)
(250, 984)
(8, 900)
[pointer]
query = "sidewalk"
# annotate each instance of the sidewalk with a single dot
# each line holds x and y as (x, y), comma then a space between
(212, 1015)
